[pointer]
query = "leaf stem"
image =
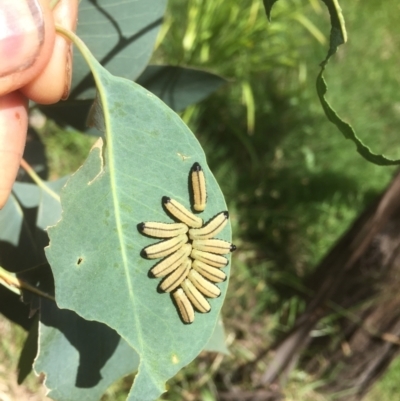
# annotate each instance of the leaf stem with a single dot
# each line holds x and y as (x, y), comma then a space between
(14, 284)
(91, 61)
(40, 183)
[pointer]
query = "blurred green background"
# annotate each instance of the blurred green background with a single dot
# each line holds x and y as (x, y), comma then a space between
(292, 183)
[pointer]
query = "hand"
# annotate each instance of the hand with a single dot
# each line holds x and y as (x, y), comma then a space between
(35, 64)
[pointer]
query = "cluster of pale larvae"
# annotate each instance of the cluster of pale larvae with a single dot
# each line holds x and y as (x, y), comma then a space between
(192, 257)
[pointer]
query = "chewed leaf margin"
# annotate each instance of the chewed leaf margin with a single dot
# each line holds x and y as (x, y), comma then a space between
(338, 36)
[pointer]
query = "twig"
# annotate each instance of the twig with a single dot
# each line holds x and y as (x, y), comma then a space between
(14, 284)
(41, 184)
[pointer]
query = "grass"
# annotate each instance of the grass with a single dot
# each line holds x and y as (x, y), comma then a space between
(388, 387)
(293, 184)
(65, 150)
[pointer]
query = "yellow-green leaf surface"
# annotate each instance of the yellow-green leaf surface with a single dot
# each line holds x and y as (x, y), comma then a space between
(95, 248)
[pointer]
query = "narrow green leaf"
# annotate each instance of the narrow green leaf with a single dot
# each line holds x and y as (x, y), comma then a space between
(95, 248)
(338, 36)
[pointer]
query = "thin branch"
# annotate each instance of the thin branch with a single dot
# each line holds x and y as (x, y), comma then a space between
(41, 184)
(15, 285)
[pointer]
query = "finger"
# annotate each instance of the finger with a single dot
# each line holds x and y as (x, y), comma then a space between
(26, 41)
(54, 82)
(13, 127)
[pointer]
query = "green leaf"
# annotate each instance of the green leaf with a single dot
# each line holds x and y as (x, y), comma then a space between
(95, 248)
(217, 343)
(81, 359)
(338, 36)
(347, 130)
(30, 196)
(119, 34)
(22, 236)
(11, 217)
(268, 7)
(179, 87)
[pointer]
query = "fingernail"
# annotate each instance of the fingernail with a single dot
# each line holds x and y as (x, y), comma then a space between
(21, 34)
(68, 74)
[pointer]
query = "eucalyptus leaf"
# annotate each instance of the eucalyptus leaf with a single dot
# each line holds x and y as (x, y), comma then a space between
(28, 196)
(347, 130)
(11, 217)
(81, 359)
(95, 248)
(19, 249)
(89, 355)
(179, 87)
(338, 36)
(46, 198)
(27, 213)
(49, 208)
(217, 342)
(119, 34)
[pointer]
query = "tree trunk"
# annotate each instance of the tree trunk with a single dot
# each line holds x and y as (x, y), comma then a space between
(358, 279)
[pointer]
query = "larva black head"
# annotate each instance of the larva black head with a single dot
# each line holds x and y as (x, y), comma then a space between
(233, 248)
(143, 253)
(150, 274)
(166, 199)
(196, 167)
(226, 214)
(141, 226)
(159, 290)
